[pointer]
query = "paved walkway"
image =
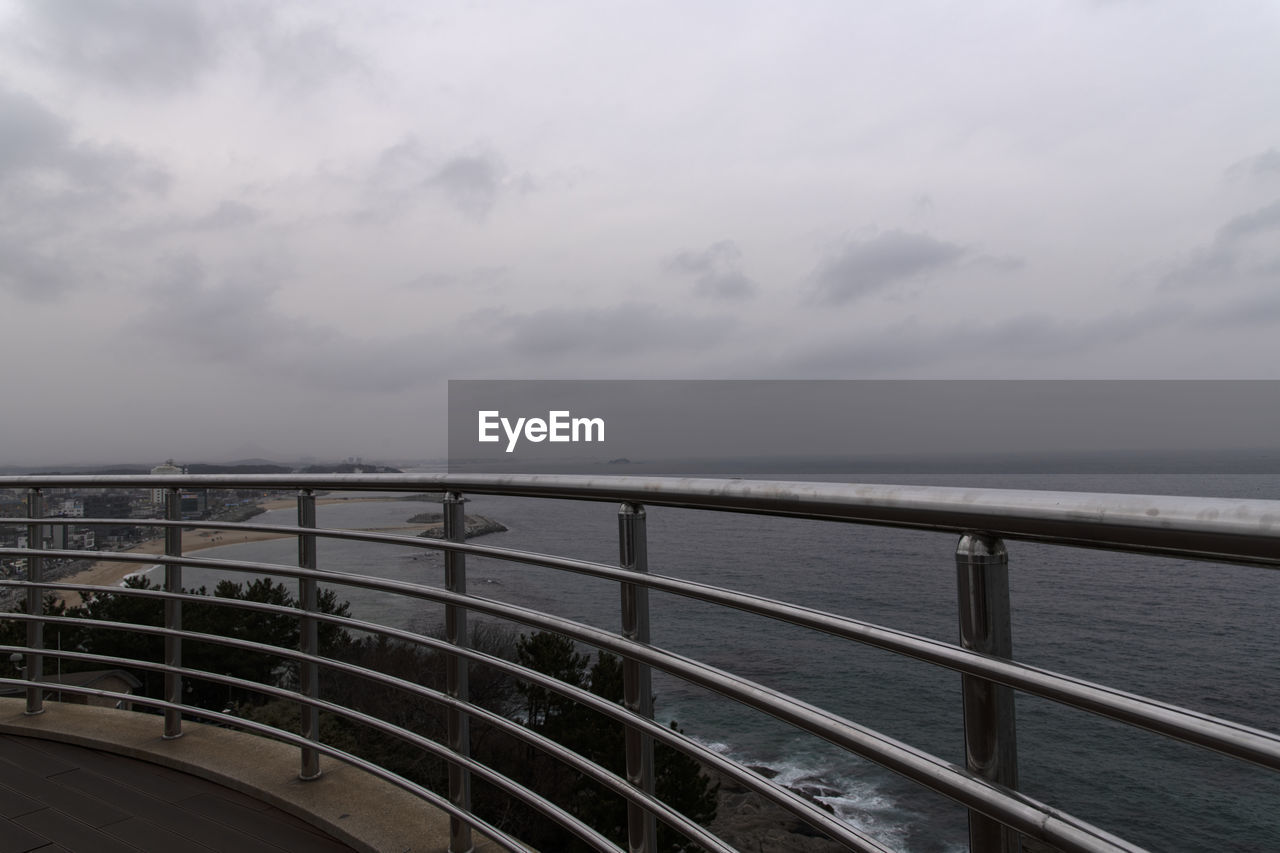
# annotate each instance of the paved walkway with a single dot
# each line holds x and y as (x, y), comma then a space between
(59, 797)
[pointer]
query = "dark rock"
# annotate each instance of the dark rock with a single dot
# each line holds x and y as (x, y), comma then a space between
(476, 525)
(748, 821)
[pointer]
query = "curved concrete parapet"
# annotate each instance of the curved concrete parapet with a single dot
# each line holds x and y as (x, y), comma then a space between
(345, 802)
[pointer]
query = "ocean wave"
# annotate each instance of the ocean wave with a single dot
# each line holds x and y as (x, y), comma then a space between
(141, 573)
(862, 803)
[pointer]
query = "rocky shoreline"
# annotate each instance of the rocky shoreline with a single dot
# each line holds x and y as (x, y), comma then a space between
(748, 821)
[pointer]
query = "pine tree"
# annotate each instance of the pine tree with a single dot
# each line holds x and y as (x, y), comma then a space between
(678, 779)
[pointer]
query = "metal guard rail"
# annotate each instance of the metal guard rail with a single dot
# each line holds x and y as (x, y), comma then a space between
(1238, 531)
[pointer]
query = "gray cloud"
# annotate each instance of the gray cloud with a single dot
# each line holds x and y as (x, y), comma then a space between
(1264, 165)
(1253, 311)
(997, 263)
(470, 183)
(401, 164)
(717, 270)
(487, 279)
(1263, 219)
(32, 274)
(298, 62)
(1211, 266)
(392, 183)
(162, 47)
(618, 330)
(1018, 341)
(272, 120)
(233, 322)
(1024, 343)
(404, 173)
(51, 188)
(1240, 248)
(28, 133)
(228, 214)
(151, 45)
(865, 266)
(34, 142)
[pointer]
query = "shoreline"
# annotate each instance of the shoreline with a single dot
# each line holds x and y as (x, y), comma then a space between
(114, 572)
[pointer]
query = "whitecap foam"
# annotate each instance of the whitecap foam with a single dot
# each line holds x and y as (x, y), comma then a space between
(859, 802)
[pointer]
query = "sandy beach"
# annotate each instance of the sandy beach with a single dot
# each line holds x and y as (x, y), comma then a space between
(113, 573)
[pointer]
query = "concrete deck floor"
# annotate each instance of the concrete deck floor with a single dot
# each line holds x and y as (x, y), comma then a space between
(55, 796)
(82, 778)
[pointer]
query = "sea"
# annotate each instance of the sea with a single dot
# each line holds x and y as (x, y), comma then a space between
(1198, 634)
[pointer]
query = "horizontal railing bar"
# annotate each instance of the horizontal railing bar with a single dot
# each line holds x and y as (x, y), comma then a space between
(1201, 528)
(799, 806)
(271, 732)
(250, 526)
(802, 808)
(1018, 811)
(515, 789)
(577, 762)
(573, 759)
(1223, 736)
(1023, 813)
(1239, 531)
(796, 804)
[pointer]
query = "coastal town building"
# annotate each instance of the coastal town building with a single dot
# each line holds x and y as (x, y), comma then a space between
(157, 495)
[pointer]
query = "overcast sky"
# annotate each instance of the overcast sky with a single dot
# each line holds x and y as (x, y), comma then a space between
(233, 228)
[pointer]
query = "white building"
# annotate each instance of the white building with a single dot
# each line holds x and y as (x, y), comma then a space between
(157, 495)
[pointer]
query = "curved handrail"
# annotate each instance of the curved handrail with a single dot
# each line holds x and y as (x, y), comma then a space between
(1236, 531)
(549, 808)
(1225, 736)
(1023, 813)
(274, 733)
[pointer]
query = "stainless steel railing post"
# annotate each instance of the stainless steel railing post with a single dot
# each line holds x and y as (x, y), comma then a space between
(637, 686)
(308, 635)
(990, 738)
(35, 604)
(455, 630)
(173, 615)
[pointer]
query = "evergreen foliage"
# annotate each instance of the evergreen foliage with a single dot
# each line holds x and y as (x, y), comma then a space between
(279, 629)
(679, 780)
